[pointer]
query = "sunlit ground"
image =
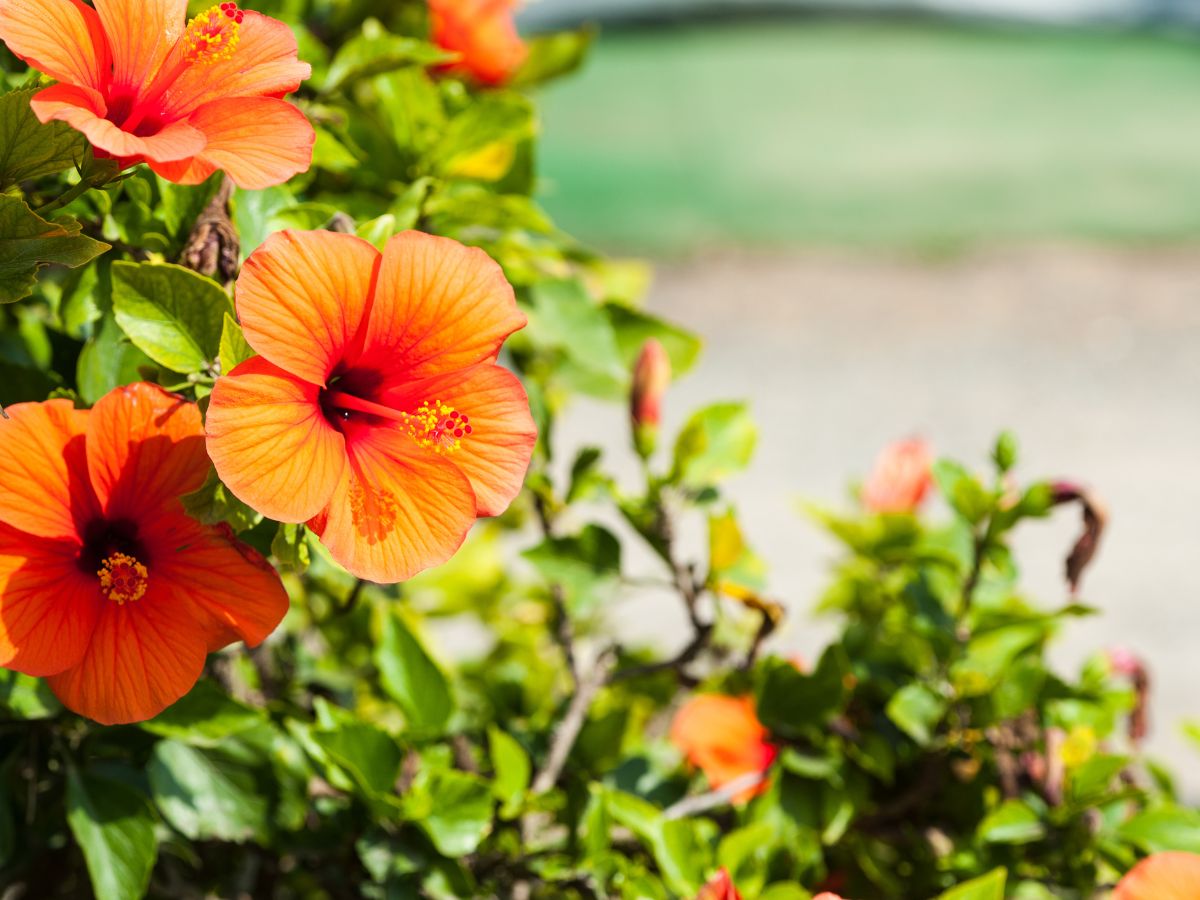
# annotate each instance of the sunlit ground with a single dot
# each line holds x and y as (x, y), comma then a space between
(886, 230)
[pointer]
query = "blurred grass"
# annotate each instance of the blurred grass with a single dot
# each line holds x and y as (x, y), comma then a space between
(913, 136)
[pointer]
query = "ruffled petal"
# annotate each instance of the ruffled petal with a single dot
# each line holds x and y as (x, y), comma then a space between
(61, 38)
(439, 306)
(723, 737)
(397, 510)
(264, 64)
(270, 441)
(496, 453)
(141, 35)
(257, 141)
(301, 297)
(240, 594)
(48, 605)
(145, 449)
(43, 470)
(1172, 875)
(84, 110)
(144, 655)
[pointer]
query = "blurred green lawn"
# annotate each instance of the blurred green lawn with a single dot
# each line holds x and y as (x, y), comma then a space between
(867, 133)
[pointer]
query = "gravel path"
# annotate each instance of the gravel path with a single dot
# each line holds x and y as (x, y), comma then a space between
(1092, 356)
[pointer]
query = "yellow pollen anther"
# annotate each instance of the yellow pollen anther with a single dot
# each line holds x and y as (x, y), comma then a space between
(122, 578)
(213, 35)
(437, 426)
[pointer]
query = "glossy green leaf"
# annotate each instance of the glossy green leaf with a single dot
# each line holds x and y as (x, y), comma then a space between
(368, 754)
(1013, 822)
(916, 710)
(233, 348)
(410, 676)
(114, 826)
(513, 771)
(206, 796)
(173, 314)
(28, 243)
(1164, 828)
(374, 52)
(29, 149)
(986, 887)
(204, 717)
(791, 702)
(718, 441)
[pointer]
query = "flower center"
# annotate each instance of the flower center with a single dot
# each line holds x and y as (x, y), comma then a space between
(438, 427)
(213, 35)
(122, 578)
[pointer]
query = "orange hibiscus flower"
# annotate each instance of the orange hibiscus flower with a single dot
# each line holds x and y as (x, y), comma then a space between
(107, 587)
(376, 412)
(482, 32)
(723, 738)
(719, 887)
(1163, 876)
(901, 478)
(188, 100)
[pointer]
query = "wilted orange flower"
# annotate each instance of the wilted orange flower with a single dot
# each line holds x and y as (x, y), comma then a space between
(900, 479)
(482, 33)
(188, 100)
(107, 587)
(723, 738)
(1163, 876)
(376, 412)
(719, 887)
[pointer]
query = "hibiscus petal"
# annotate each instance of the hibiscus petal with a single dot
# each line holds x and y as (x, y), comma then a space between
(144, 655)
(145, 449)
(1163, 876)
(141, 35)
(723, 738)
(301, 297)
(263, 64)
(43, 470)
(48, 606)
(495, 455)
(270, 441)
(236, 588)
(257, 141)
(62, 38)
(397, 510)
(84, 110)
(438, 306)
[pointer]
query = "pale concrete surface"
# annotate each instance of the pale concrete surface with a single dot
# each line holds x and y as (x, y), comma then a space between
(1092, 356)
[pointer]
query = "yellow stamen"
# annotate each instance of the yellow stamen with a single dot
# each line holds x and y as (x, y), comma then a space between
(213, 35)
(123, 579)
(437, 426)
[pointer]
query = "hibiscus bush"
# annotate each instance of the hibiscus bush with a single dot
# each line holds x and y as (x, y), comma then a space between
(301, 595)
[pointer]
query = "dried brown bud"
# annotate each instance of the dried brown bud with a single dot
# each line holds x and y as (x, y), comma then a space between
(1095, 517)
(213, 249)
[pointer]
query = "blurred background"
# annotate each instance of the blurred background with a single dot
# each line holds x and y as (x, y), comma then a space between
(940, 218)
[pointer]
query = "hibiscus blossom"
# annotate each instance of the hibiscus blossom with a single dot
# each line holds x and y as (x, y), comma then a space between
(482, 33)
(107, 588)
(723, 737)
(376, 412)
(901, 478)
(188, 100)
(1162, 876)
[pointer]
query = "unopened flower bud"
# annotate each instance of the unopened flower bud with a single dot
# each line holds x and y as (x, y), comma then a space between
(651, 378)
(901, 478)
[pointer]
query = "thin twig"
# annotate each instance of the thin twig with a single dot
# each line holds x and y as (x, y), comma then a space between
(564, 630)
(722, 796)
(568, 729)
(693, 648)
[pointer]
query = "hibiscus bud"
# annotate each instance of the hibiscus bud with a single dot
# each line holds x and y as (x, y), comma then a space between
(900, 479)
(212, 248)
(719, 887)
(651, 378)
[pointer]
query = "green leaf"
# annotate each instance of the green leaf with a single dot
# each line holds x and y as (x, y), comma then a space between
(205, 797)
(1164, 828)
(634, 327)
(1013, 822)
(553, 55)
(586, 565)
(1005, 452)
(29, 149)
(410, 676)
(990, 655)
(290, 547)
(22, 383)
(28, 243)
(916, 710)
(493, 118)
(730, 558)
(986, 887)
(213, 502)
(233, 348)
(378, 231)
(368, 754)
(563, 317)
(716, 442)
(375, 52)
(512, 772)
(962, 491)
(109, 360)
(114, 826)
(204, 717)
(457, 810)
(173, 314)
(26, 697)
(791, 702)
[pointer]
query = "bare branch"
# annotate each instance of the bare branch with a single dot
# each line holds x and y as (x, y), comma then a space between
(568, 729)
(723, 796)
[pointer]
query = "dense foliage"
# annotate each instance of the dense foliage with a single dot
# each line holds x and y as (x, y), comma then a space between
(929, 749)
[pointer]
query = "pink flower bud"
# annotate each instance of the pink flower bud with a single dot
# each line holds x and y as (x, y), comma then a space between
(651, 378)
(901, 477)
